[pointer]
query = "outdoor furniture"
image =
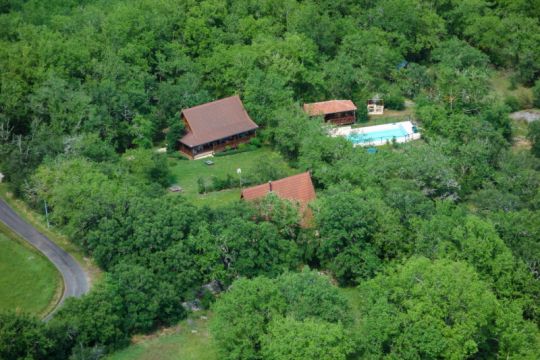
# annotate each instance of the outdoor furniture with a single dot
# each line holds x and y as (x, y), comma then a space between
(175, 188)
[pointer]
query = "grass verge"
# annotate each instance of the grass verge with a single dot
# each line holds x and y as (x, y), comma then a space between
(29, 282)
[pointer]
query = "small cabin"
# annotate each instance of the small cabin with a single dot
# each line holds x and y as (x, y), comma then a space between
(375, 106)
(337, 112)
(215, 126)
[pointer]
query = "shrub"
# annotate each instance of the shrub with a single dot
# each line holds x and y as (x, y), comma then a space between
(536, 94)
(534, 137)
(362, 113)
(176, 130)
(394, 100)
(525, 99)
(256, 142)
(512, 102)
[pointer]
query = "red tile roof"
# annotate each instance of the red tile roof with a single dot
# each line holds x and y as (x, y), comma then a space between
(296, 188)
(329, 107)
(216, 120)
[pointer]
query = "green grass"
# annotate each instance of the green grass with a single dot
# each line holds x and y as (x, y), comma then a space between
(28, 281)
(389, 116)
(187, 172)
(178, 343)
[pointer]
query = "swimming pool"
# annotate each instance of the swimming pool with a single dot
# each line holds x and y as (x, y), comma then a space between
(363, 137)
(379, 134)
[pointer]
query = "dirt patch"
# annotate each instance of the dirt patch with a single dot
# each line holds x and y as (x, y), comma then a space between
(521, 142)
(527, 115)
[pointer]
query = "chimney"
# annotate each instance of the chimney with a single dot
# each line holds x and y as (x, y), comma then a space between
(270, 185)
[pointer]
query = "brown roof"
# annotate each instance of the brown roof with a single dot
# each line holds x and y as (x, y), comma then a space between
(216, 120)
(329, 107)
(296, 188)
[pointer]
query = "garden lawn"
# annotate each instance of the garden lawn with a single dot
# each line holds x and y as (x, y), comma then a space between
(28, 281)
(190, 340)
(187, 172)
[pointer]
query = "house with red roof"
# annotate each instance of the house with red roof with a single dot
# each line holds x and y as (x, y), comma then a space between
(298, 189)
(337, 112)
(215, 126)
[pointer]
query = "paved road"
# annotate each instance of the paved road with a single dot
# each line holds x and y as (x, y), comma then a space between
(75, 279)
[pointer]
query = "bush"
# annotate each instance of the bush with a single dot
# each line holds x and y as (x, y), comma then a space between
(362, 113)
(534, 137)
(256, 142)
(512, 102)
(240, 149)
(525, 99)
(176, 130)
(204, 186)
(394, 100)
(536, 94)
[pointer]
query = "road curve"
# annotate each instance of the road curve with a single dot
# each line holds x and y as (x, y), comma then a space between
(75, 279)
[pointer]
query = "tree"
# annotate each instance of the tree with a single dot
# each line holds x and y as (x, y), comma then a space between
(96, 319)
(250, 249)
(293, 127)
(142, 131)
(534, 137)
(416, 27)
(249, 316)
(453, 234)
(536, 94)
(242, 316)
(432, 309)
(311, 295)
(357, 231)
(347, 226)
(176, 130)
(459, 55)
(145, 298)
(25, 337)
(147, 166)
(520, 231)
(288, 338)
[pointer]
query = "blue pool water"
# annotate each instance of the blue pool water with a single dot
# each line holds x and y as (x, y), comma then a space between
(381, 135)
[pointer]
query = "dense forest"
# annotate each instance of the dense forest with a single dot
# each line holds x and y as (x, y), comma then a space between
(440, 237)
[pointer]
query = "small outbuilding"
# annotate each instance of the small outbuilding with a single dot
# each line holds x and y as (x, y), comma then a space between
(298, 189)
(215, 126)
(375, 106)
(337, 112)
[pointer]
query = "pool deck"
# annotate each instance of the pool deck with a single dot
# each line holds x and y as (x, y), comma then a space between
(346, 131)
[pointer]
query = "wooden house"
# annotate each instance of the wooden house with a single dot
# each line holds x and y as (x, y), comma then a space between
(337, 112)
(215, 126)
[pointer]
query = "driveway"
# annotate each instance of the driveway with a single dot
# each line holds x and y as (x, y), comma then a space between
(75, 279)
